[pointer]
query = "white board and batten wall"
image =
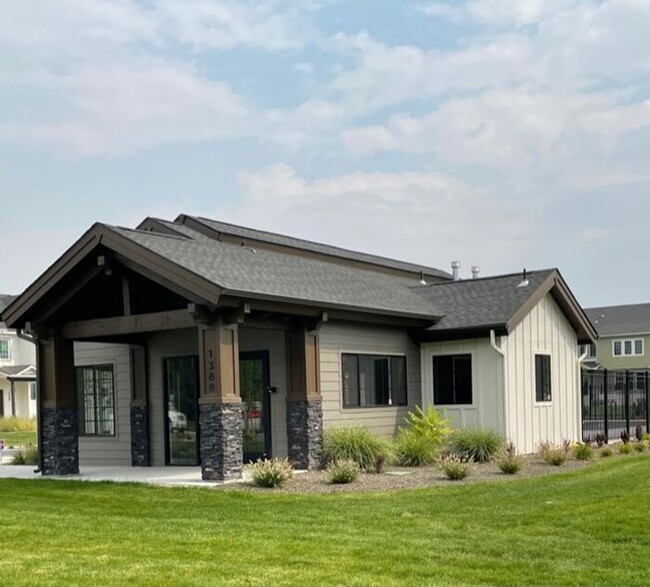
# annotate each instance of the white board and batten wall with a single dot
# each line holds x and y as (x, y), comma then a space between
(337, 339)
(504, 392)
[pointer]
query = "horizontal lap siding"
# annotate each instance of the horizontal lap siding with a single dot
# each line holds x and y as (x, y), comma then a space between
(544, 330)
(336, 339)
(110, 450)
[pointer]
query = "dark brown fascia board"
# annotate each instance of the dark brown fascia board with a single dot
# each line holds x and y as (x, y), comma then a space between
(459, 333)
(556, 285)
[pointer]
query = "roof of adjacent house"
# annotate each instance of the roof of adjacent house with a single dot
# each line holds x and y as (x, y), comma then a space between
(5, 300)
(18, 372)
(216, 270)
(626, 320)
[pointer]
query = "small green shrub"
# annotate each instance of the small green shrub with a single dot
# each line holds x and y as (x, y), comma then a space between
(430, 424)
(361, 445)
(606, 452)
(509, 461)
(476, 443)
(413, 449)
(270, 472)
(552, 454)
(625, 448)
(343, 471)
(26, 456)
(454, 467)
(583, 452)
(639, 446)
(14, 424)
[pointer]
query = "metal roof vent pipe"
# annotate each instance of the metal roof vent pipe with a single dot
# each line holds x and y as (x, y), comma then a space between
(475, 271)
(455, 268)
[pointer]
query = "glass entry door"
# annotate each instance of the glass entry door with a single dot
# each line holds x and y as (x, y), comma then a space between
(181, 392)
(254, 389)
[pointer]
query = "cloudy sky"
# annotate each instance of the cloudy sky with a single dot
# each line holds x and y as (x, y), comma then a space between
(504, 133)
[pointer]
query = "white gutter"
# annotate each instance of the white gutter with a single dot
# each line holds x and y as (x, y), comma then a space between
(493, 344)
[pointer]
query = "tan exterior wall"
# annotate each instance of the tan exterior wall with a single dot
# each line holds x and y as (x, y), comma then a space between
(487, 408)
(108, 450)
(337, 338)
(605, 353)
(544, 330)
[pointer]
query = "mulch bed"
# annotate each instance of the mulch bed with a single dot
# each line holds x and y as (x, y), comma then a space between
(413, 477)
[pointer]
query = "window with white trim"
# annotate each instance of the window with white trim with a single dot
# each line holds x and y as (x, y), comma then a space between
(628, 347)
(5, 349)
(589, 350)
(543, 391)
(373, 380)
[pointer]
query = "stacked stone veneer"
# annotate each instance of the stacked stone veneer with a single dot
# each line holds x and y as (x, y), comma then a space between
(140, 444)
(222, 441)
(305, 433)
(60, 441)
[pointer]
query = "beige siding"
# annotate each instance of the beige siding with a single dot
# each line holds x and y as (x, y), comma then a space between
(110, 450)
(605, 353)
(487, 407)
(545, 330)
(179, 343)
(257, 339)
(336, 339)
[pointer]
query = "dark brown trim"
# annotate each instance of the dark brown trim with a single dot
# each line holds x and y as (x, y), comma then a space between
(458, 333)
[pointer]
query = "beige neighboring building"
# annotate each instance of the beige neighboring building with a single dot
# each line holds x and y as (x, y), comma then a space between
(623, 337)
(17, 371)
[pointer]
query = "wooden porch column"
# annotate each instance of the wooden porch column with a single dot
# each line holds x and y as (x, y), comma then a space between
(304, 401)
(59, 415)
(220, 405)
(140, 433)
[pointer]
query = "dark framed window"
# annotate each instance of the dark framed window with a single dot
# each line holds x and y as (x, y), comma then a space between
(5, 349)
(543, 391)
(96, 396)
(373, 380)
(452, 380)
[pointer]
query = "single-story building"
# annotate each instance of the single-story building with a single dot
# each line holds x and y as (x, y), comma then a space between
(203, 343)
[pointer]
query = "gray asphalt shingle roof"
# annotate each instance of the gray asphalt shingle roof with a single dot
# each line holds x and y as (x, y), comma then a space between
(5, 300)
(280, 239)
(16, 371)
(620, 320)
(481, 302)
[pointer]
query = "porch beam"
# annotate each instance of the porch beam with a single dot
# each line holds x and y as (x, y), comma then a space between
(122, 325)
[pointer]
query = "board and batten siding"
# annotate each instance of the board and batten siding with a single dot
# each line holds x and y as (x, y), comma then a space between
(273, 341)
(336, 339)
(108, 450)
(545, 330)
(487, 408)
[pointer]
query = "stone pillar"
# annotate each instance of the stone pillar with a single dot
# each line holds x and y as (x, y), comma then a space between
(140, 435)
(304, 402)
(220, 408)
(59, 415)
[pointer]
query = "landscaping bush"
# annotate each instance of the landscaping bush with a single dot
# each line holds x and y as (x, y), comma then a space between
(26, 456)
(270, 472)
(343, 471)
(476, 443)
(509, 461)
(413, 449)
(552, 454)
(430, 424)
(639, 446)
(606, 452)
(625, 448)
(361, 445)
(14, 424)
(454, 467)
(583, 452)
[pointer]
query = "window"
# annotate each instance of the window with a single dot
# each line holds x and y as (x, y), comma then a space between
(373, 380)
(589, 350)
(452, 380)
(5, 349)
(628, 347)
(32, 390)
(96, 393)
(543, 378)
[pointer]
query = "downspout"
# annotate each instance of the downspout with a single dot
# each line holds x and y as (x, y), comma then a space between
(493, 343)
(579, 415)
(39, 431)
(498, 349)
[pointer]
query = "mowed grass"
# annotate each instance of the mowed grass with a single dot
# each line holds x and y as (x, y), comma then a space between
(588, 527)
(18, 438)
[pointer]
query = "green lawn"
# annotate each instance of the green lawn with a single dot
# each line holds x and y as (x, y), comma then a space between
(588, 527)
(18, 438)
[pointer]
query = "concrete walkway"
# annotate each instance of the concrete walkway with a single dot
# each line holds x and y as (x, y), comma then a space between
(166, 476)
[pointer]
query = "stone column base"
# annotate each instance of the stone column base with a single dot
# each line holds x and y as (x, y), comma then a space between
(140, 443)
(60, 441)
(305, 433)
(222, 441)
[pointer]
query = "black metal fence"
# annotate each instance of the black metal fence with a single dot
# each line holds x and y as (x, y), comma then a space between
(614, 402)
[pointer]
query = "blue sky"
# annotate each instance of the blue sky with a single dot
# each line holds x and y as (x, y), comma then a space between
(507, 134)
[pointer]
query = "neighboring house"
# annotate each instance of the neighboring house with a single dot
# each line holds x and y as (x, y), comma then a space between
(17, 371)
(199, 342)
(623, 337)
